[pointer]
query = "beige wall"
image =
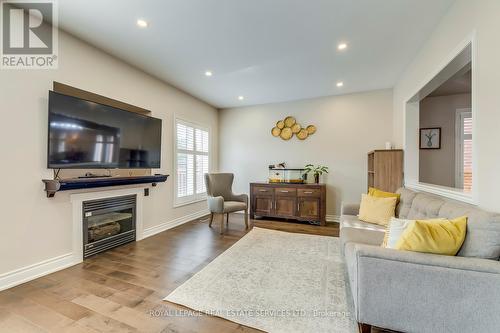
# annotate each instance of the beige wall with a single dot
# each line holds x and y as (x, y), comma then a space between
(437, 166)
(464, 18)
(348, 127)
(35, 228)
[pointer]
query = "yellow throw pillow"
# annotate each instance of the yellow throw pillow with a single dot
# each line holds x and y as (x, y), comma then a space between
(374, 192)
(438, 236)
(376, 210)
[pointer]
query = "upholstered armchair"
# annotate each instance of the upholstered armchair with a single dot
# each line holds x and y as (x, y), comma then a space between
(222, 200)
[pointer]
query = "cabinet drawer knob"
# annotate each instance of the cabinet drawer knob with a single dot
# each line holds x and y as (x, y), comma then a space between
(262, 190)
(284, 191)
(307, 192)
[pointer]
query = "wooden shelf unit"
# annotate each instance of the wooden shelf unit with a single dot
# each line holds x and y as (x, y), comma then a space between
(385, 169)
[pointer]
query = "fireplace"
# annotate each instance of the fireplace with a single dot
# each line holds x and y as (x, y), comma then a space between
(108, 223)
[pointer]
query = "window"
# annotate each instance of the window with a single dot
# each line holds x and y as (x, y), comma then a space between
(464, 149)
(192, 156)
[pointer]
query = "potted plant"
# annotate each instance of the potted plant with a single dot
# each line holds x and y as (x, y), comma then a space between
(316, 171)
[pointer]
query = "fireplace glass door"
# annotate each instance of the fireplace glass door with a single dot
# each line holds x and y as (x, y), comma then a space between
(108, 223)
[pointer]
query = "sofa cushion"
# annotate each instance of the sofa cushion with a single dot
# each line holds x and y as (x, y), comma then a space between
(362, 236)
(351, 221)
(483, 230)
(425, 206)
(405, 201)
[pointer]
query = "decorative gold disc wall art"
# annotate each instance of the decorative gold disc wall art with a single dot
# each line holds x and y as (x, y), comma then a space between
(286, 133)
(289, 121)
(303, 134)
(296, 128)
(311, 129)
(286, 128)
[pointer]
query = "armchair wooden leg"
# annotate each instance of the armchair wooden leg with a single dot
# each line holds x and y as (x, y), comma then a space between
(221, 223)
(227, 219)
(246, 219)
(211, 220)
(364, 328)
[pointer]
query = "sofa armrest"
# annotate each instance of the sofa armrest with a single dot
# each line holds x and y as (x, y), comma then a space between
(349, 208)
(418, 292)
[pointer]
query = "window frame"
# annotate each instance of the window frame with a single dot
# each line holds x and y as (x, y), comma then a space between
(194, 198)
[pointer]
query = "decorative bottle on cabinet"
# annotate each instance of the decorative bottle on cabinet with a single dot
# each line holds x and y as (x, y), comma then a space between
(385, 169)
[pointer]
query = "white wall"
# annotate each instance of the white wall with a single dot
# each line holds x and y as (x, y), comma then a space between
(464, 18)
(348, 127)
(35, 228)
(437, 166)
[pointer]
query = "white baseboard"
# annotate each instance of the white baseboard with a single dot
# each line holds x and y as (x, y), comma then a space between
(333, 218)
(31, 272)
(148, 232)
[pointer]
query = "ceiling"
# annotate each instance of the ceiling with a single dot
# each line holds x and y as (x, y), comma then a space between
(458, 84)
(265, 50)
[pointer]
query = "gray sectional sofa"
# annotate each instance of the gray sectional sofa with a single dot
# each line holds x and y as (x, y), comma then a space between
(420, 292)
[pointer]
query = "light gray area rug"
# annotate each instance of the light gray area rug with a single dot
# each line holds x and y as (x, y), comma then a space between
(276, 282)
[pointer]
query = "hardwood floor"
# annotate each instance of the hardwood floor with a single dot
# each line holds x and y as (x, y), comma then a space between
(122, 290)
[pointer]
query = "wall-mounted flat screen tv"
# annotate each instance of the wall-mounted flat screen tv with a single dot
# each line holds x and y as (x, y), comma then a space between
(88, 135)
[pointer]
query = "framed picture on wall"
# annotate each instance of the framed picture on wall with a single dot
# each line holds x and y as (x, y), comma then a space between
(430, 138)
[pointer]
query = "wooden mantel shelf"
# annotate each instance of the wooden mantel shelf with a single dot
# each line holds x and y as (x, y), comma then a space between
(55, 185)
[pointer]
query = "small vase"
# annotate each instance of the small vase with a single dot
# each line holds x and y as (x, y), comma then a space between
(316, 178)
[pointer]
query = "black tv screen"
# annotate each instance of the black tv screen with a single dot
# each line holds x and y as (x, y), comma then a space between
(88, 135)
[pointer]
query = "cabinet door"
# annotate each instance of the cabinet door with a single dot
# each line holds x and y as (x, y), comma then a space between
(309, 208)
(285, 206)
(388, 170)
(263, 205)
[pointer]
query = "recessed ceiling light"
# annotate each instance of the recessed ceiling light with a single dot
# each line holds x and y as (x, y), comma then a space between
(208, 73)
(340, 84)
(342, 46)
(142, 23)
(241, 98)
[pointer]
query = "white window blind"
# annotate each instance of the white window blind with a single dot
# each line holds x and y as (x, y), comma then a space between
(467, 152)
(192, 154)
(464, 150)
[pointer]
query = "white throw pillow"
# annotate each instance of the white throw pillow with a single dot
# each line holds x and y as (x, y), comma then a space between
(394, 230)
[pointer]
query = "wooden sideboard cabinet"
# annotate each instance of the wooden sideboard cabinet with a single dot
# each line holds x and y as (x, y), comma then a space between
(302, 202)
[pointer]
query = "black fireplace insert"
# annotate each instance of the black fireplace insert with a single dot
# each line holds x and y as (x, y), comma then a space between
(108, 223)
